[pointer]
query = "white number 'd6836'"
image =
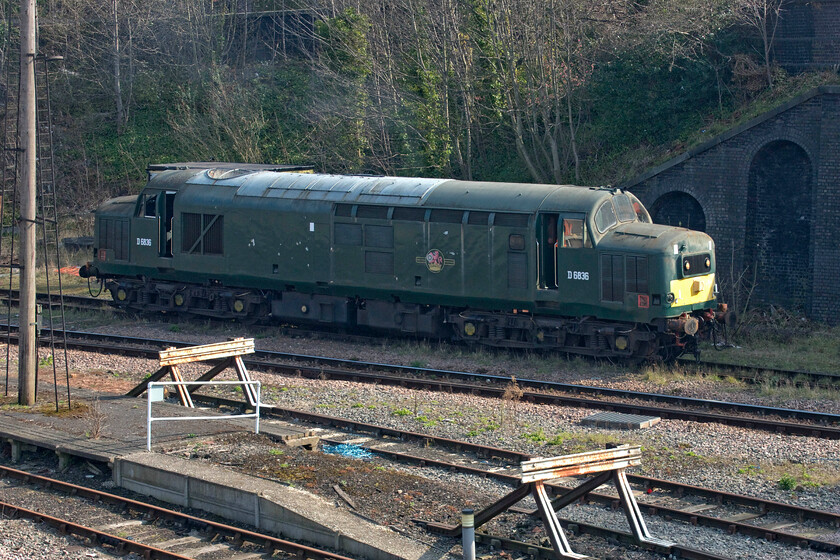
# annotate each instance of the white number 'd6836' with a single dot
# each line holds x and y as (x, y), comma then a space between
(578, 275)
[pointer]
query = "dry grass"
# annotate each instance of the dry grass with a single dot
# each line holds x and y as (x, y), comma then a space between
(775, 338)
(94, 420)
(793, 475)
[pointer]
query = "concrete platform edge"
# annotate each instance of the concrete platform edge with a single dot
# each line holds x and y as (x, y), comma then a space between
(238, 497)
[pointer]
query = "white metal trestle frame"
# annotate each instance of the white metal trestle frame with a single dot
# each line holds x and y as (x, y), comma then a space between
(226, 354)
(610, 464)
(255, 385)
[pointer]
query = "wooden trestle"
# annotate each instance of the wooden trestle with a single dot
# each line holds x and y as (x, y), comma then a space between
(229, 352)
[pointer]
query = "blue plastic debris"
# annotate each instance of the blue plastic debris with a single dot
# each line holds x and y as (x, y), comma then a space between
(348, 450)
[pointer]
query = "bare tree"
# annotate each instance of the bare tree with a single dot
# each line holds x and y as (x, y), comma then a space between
(763, 16)
(542, 53)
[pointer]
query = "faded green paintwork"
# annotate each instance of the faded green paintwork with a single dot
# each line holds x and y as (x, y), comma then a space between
(279, 228)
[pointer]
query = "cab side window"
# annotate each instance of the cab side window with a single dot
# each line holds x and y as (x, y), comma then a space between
(605, 217)
(150, 206)
(574, 234)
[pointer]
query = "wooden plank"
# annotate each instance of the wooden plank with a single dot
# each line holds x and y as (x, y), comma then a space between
(621, 452)
(779, 525)
(204, 352)
(742, 516)
(589, 468)
(698, 508)
(343, 495)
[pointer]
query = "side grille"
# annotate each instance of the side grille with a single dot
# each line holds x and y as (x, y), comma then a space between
(379, 263)
(517, 270)
(637, 275)
(612, 277)
(113, 236)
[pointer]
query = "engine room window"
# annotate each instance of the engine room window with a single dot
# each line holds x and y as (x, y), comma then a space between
(574, 234)
(605, 217)
(344, 210)
(511, 220)
(150, 206)
(376, 212)
(447, 216)
(409, 214)
(478, 218)
(624, 208)
(516, 242)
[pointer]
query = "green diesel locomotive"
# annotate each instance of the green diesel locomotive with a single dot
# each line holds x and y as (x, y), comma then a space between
(569, 268)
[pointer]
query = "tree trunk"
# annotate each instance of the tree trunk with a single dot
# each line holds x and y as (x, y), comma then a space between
(117, 87)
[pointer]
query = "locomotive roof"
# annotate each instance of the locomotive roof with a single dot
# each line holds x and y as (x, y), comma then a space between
(364, 189)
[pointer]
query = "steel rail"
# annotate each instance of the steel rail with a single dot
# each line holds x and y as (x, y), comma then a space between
(269, 542)
(677, 551)
(746, 372)
(575, 527)
(97, 537)
(698, 414)
(752, 373)
(515, 456)
(80, 302)
(823, 425)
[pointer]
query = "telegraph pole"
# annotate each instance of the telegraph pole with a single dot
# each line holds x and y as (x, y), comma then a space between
(27, 349)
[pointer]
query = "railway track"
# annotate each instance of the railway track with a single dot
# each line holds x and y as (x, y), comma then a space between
(76, 302)
(757, 374)
(698, 511)
(728, 512)
(748, 373)
(774, 419)
(124, 525)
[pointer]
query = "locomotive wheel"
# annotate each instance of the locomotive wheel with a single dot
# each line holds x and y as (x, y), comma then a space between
(179, 300)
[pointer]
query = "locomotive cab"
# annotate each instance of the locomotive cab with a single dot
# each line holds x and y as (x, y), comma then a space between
(638, 286)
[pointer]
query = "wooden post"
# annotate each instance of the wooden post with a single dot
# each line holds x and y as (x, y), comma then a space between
(27, 347)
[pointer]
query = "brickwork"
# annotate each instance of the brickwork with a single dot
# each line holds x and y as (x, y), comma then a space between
(786, 160)
(679, 209)
(808, 35)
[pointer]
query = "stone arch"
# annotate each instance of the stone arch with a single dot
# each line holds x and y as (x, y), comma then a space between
(677, 208)
(778, 224)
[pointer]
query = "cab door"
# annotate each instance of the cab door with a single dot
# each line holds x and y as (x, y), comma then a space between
(152, 229)
(547, 247)
(577, 264)
(165, 207)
